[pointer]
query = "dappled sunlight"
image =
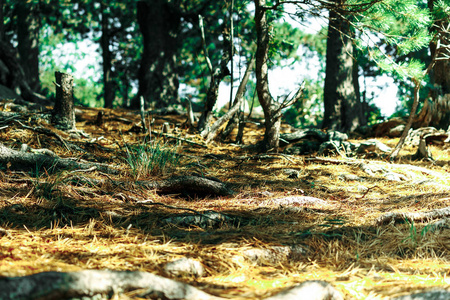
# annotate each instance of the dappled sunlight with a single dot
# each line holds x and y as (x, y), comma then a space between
(67, 220)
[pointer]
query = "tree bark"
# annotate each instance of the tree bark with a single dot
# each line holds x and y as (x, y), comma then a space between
(28, 41)
(160, 24)
(14, 76)
(108, 87)
(217, 75)
(343, 108)
(63, 115)
(213, 132)
(436, 109)
(270, 107)
(2, 21)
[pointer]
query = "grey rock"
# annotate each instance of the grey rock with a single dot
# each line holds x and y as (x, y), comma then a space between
(291, 173)
(396, 131)
(303, 147)
(300, 200)
(391, 176)
(184, 267)
(209, 219)
(372, 146)
(304, 134)
(336, 147)
(275, 255)
(350, 177)
(337, 136)
(311, 290)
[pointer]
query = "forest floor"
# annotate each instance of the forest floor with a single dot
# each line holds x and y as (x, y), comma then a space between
(57, 222)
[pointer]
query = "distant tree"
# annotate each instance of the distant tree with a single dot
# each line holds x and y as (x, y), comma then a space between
(2, 21)
(120, 46)
(160, 24)
(28, 27)
(372, 19)
(105, 41)
(13, 74)
(110, 23)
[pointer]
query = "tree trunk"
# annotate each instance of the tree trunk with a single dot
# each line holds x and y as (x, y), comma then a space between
(436, 111)
(364, 115)
(343, 109)
(13, 76)
(2, 22)
(239, 98)
(160, 24)
(63, 115)
(108, 87)
(28, 41)
(272, 115)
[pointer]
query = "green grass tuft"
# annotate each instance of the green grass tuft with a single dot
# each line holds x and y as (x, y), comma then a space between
(153, 158)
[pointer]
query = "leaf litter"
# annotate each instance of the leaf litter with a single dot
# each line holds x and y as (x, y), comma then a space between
(318, 226)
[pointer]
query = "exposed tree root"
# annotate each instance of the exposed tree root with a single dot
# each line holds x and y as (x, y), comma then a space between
(88, 283)
(56, 285)
(188, 185)
(184, 185)
(413, 217)
(31, 161)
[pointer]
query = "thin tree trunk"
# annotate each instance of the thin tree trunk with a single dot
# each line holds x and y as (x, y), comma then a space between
(270, 107)
(355, 77)
(217, 75)
(108, 88)
(434, 59)
(408, 125)
(213, 132)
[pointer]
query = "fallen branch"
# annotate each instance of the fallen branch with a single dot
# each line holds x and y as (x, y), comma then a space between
(56, 285)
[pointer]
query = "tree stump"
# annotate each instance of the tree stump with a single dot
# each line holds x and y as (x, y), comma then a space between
(63, 115)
